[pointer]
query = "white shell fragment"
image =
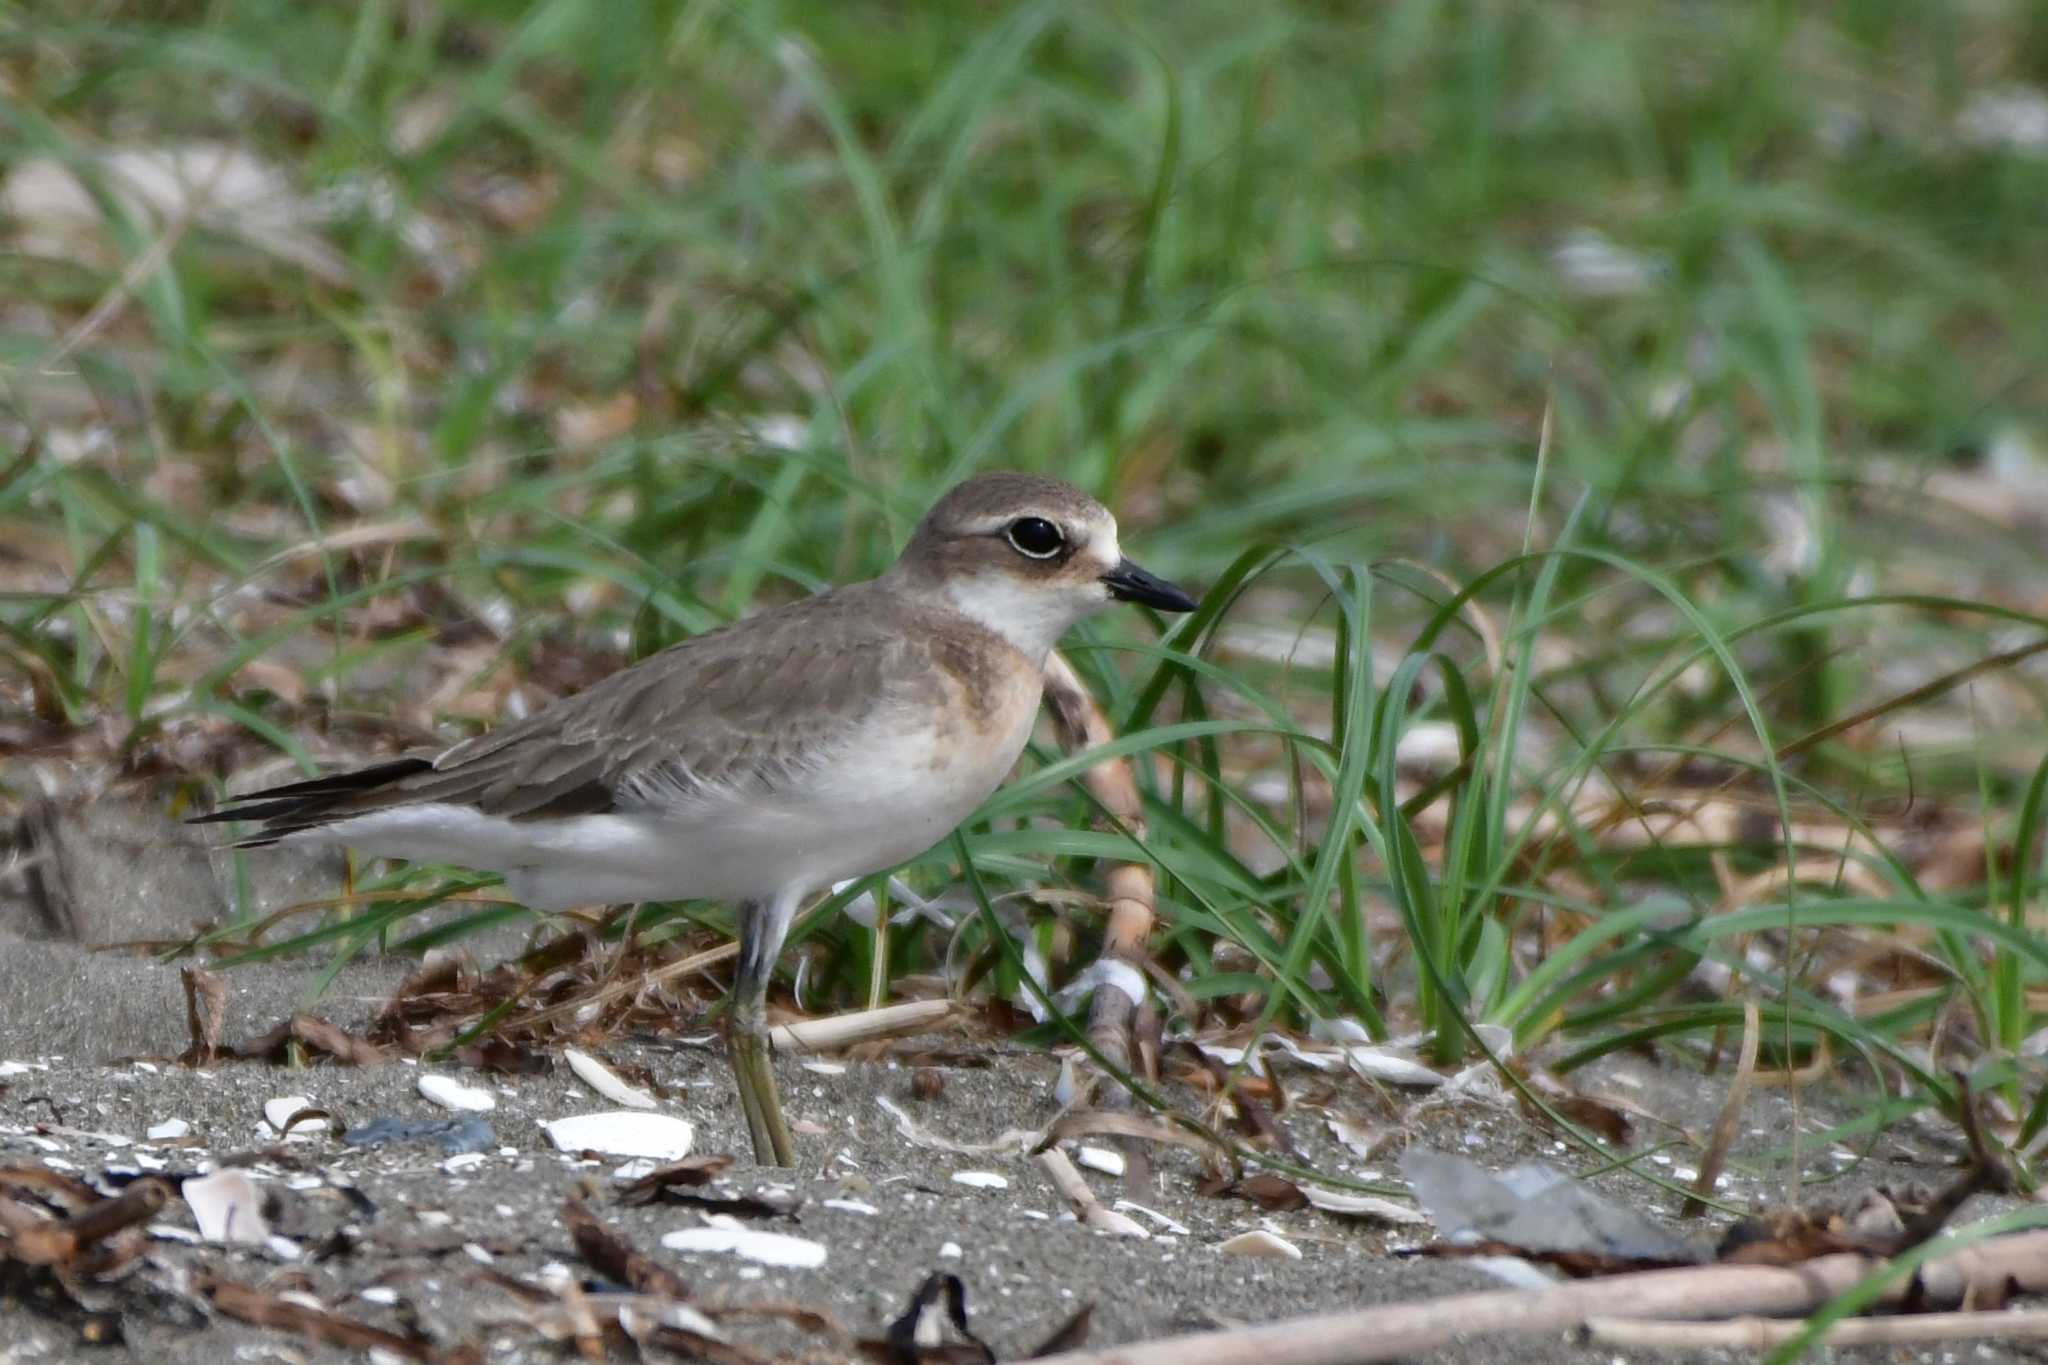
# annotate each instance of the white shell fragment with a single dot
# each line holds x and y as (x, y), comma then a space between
(1363, 1139)
(1100, 1159)
(982, 1180)
(1386, 1064)
(1360, 1205)
(278, 1112)
(728, 1236)
(606, 1081)
(170, 1130)
(450, 1093)
(623, 1132)
(1166, 1224)
(228, 1206)
(1261, 1244)
(1316, 1059)
(851, 1206)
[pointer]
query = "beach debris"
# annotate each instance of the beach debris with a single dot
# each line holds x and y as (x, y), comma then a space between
(684, 1182)
(688, 1173)
(1011, 1140)
(933, 1330)
(1392, 1065)
(1090, 1210)
(724, 1235)
(1361, 1139)
(1099, 1159)
(1534, 1210)
(1166, 1224)
(456, 1136)
(860, 1026)
(1260, 1244)
(1273, 1193)
(206, 997)
(981, 1180)
(228, 1206)
(623, 1132)
(450, 1093)
(299, 1315)
(289, 1042)
(170, 1130)
(1348, 1205)
(850, 1206)
(606, 1082)
(293, 1117)
(57, 1233)
(614, 1258)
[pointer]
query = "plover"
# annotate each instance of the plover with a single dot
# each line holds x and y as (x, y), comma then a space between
(769, 759)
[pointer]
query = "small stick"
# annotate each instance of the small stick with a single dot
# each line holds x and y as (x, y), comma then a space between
(1723, 1136)
(141, 1201)
(2018, 1263)
(1762, 1333)
(860, 1026)
(1069, 1183)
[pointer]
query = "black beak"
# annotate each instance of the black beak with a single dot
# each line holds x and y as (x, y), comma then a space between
(1129, 583)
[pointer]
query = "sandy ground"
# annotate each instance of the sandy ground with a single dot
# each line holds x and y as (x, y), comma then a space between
(427, 1227)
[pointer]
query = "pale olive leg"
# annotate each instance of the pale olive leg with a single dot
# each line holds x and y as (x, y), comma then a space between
(763, 927)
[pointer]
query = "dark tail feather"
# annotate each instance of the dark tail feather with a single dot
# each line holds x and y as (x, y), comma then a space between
(306, 805)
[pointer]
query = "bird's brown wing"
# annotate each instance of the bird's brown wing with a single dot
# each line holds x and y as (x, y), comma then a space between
(742, 710)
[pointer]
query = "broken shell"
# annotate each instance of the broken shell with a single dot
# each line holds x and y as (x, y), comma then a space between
(606, 1081)
(1385, 1064)
(1360, 1205)
(450, 1093)
(727, 1235)
(1166, 1224)
(982, 1180)
(228, 1206)
(850, 1206)
(1100, 1159)
(1261, 1244)
(278, 1113)
(170, 1130)
(623, 1132)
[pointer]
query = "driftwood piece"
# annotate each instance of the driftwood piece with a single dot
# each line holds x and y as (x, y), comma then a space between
(1760, 1334)
(1116, 1017)
(861, 1026)
(1087, 1207)
(1984, 1273)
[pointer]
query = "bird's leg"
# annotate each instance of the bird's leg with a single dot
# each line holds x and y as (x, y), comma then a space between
(763, 926)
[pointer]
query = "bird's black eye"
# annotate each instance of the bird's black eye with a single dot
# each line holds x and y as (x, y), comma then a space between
(1035, 537)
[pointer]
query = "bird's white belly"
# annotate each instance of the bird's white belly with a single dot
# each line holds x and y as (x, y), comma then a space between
(883, 799)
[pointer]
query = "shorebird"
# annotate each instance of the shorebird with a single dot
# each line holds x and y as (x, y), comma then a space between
(767, 760)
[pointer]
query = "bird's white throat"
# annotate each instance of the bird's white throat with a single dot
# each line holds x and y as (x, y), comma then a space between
(1030, 615)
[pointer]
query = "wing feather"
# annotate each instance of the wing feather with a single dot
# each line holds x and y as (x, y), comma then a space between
(740, 711)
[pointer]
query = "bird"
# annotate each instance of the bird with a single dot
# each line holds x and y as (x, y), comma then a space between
(762, 762)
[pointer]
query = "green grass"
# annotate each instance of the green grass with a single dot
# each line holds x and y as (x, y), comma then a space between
(1281, 283)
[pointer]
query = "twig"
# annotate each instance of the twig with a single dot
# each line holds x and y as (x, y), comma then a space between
(2017, 1263)
(1730, 1118)
(1090, 1210)
(844, 1030)
(1763, 1333)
